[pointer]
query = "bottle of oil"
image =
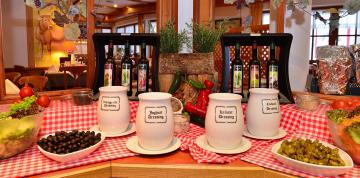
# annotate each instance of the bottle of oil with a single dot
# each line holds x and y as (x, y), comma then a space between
(237, 73)
(110, 67)
(143, 72)
(272, 74)
(126, 70)
(254, 69)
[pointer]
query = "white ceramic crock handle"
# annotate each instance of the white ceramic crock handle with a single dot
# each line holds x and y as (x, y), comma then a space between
(181, 106)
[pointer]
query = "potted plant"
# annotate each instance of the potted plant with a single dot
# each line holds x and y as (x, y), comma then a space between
(205, 38)
(170, 44)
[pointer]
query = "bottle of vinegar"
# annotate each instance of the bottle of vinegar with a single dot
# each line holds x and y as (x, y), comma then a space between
(272, 69)
(237, 73)
(110, 67)
(143, 72)
(126, 70)
(254, 69)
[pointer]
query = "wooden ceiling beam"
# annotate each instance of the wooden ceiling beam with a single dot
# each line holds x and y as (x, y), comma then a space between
(220, 3)
(132, 10)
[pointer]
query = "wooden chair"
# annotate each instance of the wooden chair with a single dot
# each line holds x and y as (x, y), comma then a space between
(35, 81)
(13, 76)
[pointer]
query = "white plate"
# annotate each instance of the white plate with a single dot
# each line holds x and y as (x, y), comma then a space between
(131, 129)
(313, 168)
(74, 155)
(282, 133)
(203, 143)
(133, 145)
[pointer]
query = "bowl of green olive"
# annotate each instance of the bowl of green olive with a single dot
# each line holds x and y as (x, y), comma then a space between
(312, 156)
(69, 146)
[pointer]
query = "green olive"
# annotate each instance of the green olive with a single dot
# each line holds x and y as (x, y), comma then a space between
(311, 152)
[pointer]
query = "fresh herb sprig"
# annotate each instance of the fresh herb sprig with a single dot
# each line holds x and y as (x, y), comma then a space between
(205, 37)
(170, 40)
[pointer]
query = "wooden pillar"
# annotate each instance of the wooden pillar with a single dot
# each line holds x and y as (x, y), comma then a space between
(140, 23)
(30, 36)
(2, 66)
(90, 45)
(256, 11)
(204, 11)
(166, 10)
(280, 17)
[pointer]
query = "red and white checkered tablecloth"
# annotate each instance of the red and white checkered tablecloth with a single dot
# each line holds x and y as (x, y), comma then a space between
(297, 124)
(65, 116)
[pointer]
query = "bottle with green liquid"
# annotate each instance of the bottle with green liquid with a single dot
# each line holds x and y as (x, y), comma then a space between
(237, 73)
(126, 70)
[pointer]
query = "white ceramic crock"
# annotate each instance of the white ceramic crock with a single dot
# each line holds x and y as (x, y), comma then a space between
(224, 122)
(113, 109)
(154, 121)
(263, 112)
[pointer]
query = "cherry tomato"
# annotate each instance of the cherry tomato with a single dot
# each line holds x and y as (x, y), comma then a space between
(25, 92)
(43, 101)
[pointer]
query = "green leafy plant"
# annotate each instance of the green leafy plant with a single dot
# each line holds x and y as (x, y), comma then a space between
(170, 40)
(205, 37)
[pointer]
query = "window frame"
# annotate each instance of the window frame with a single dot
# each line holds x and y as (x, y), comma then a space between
(312, 36)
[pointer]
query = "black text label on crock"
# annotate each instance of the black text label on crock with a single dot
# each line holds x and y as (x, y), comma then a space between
(110, 103)
(270, 106)
(155, 114)
(225, 114)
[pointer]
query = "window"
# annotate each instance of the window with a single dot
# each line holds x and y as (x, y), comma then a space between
(152, 26)
(348, 32)
(319, 35)
(266, 18)
(132, 28)
(106, 30)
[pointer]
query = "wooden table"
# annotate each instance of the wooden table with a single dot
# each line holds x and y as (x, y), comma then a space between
(172, 165)
(76, 70)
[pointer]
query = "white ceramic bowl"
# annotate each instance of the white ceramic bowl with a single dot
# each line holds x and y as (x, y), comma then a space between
(74, 155)
(320, 170)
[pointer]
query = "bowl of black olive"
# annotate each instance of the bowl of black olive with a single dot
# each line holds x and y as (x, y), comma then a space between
(69, 146)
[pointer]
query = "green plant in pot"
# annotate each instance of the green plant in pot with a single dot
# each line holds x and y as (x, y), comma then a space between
(171, 41)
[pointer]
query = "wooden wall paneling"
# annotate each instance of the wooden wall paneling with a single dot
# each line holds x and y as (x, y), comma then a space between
(280, 17)
(166, 10)
(204, 11)
(2, 66)
(140, 23)
(256, 11)
(30, 36)
(90, 45)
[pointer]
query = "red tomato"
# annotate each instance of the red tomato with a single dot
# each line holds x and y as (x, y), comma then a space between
(43, 101)
(355, 104)
(25, 92)
(339, 104)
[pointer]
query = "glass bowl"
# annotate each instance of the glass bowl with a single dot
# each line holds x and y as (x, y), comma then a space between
(82, 97)
(16, 135)
(307, 102)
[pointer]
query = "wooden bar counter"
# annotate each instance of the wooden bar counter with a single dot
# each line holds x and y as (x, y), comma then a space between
(176, 164)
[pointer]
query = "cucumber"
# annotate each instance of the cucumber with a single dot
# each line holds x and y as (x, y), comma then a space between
(176, 83)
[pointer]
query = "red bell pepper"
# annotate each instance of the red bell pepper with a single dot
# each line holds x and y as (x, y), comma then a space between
(189, 107)
(203, 97)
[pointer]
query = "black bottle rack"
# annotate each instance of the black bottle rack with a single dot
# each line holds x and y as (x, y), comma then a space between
(102, 39)
(281, 40)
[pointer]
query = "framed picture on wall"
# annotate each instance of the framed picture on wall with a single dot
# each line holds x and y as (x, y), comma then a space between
(229, 23)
